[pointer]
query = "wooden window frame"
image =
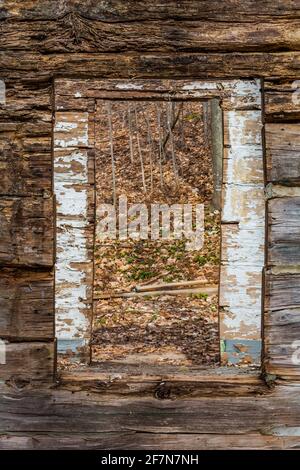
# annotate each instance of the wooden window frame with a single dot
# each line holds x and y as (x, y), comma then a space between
(74, 139)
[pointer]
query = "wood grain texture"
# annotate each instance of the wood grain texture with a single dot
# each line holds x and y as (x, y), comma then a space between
(282, 100)
(26, 305)
(58, 410)
(283, 152)
(25, 144)
(78, 94)
(282, 324)
(134, 10)
(26, 231)
(76, 33)
(283, 231)
(132, 440)
(152, 65)
(27, 363)
(163, 382)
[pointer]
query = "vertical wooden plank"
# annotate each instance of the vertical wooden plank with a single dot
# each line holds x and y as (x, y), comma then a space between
(242, 226)
(75, 231)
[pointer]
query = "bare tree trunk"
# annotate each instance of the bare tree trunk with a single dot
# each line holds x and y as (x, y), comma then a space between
(217, 150)
(172, 143)
(160, 146)
(112, 152)
(150, 146)
(213, 136)
(130, 133)
(173, 123)
(140, 152)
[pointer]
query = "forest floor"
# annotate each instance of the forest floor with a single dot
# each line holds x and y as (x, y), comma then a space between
(170, 168)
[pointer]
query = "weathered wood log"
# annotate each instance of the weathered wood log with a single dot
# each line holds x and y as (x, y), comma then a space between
(26, 363)
(25, 147)
(75, 33)
(172, 65)
(134, 10)
(72, 94)
(26, 305)
(170, 285)
(205, 290)
(282, 100)
(51, 411)
(26, 231)
(282, 323)
(284, 231)
(283, 152)
(163, 382)
(130, 439)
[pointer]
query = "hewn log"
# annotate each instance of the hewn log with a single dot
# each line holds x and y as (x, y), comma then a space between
(282, 100)
(75, 94)
(57, 410)
(132, 440)
(284, 231)
(163, 382)
(75, 33)
(26, 305)
(26, 363)
(134, 10)
(25, 147)
(282, 324)
(171, 65)
(283, 152)
(26, 231)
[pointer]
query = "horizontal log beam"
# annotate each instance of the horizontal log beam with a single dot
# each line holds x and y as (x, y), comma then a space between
(26, 364)
(163, 382)
(283, 152)
(282, 324)
(133, 440)
(75, 33)
(52, 411)
(282, 100)
(284, 231)
(25, 144)
(134, 10)
(26, 231)
(26, 305)
(171, 65)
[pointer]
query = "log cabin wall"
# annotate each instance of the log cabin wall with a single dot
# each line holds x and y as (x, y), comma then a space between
(42, 40)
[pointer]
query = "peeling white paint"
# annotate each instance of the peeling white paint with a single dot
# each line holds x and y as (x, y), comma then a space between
(197, 85)
(65, 126)
(74, 266)
(285, 431)
(243, 203)
(129, 86)
(71, 129)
